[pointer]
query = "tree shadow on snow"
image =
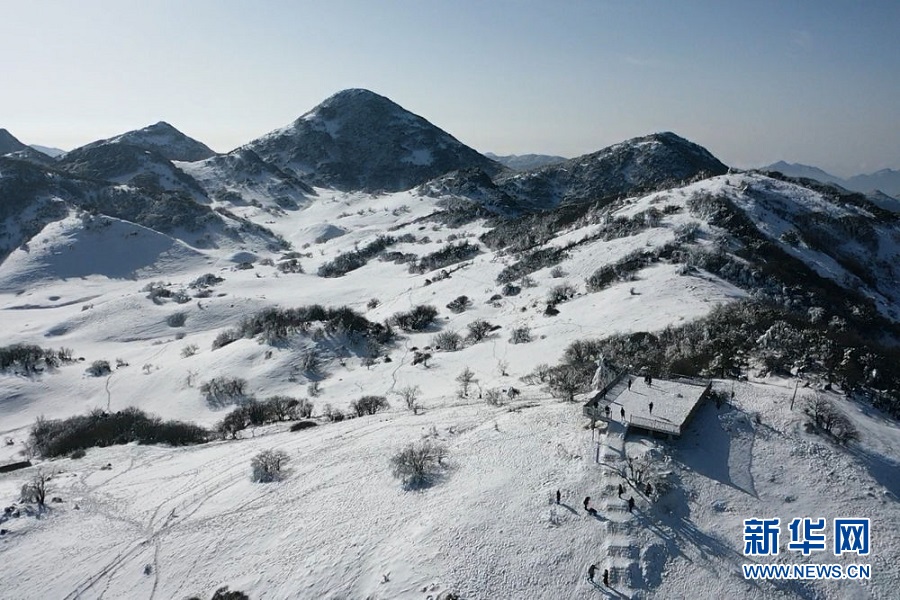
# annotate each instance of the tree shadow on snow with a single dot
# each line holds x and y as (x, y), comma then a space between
(882, 469)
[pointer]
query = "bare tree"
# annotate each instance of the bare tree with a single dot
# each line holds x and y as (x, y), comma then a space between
(416, 465)
(410, 395)
(828, 418)
(503, 368)
(268, 465)
(465, 378)
(493, 396)
(36, 489)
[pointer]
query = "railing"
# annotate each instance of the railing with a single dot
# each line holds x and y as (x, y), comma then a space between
(655, 425)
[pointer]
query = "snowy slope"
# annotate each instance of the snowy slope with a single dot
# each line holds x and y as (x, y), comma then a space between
(340, 526)
(165, 522)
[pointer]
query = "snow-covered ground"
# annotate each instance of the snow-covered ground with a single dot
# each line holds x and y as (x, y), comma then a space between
(340, 526)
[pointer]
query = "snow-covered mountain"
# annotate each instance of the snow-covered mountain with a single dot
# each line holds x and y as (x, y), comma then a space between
(12, 147)
(781, 293)
(163, 139)
(50, 151)
(9, 143)
(241, 177)
(639, 164)
(886, 181)
(805, 171)
(525, 162)
(358, 140)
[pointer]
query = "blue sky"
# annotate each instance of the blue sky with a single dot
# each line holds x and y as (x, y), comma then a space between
(816, 82)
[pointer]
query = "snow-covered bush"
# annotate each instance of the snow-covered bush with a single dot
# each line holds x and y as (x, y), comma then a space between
(369, 405)
(335, 415)
(459, 304)
(448, 255)
(448, 341)
(30, 358)
(417, 464)
(51, 438)
(189, 350)
(291, 265)
(479, 329)
(176, 319)
(417, 319)
(268, 466)
(557, 272)
(350, 261)
(99, 368)
(520, 335)
(205, 281)
(493, 396)
(222, 391)
(561, 293)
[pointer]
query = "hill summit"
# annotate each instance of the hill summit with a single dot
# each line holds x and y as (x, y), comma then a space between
(359, 140)
(165, 140)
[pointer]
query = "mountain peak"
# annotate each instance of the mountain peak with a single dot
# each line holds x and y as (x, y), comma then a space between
(165, 139)
(637, 165)
(360, 140)
(9, 143)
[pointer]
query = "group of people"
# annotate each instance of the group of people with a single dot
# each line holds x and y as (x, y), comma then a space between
(593, 512)
(593, 569)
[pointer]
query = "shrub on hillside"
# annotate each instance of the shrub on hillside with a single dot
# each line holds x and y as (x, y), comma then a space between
(301, 425)
(99, 368)
(51, 438)
(334, 415)
(479, 329)
(417, 319)
(274, 324)
(268, 466)
(29, 358)
(350, 261)
(561, 293)
(224, 338)
(418, 464)
(223, 391)
(531, 262)
(520, 335)
(448, 341)
(459, 304)
(369, 405)
(446, 256)
(205, 281)
(176, 319)
(291, 265)
(827, 418)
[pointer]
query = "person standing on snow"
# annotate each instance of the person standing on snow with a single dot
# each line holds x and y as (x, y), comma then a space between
(591, 570)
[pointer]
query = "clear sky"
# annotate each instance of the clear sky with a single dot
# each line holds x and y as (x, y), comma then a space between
(815, 81)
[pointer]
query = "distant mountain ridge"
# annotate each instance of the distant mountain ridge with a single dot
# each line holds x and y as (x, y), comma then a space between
(885, 180)
(359, 140)
(525, 162)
